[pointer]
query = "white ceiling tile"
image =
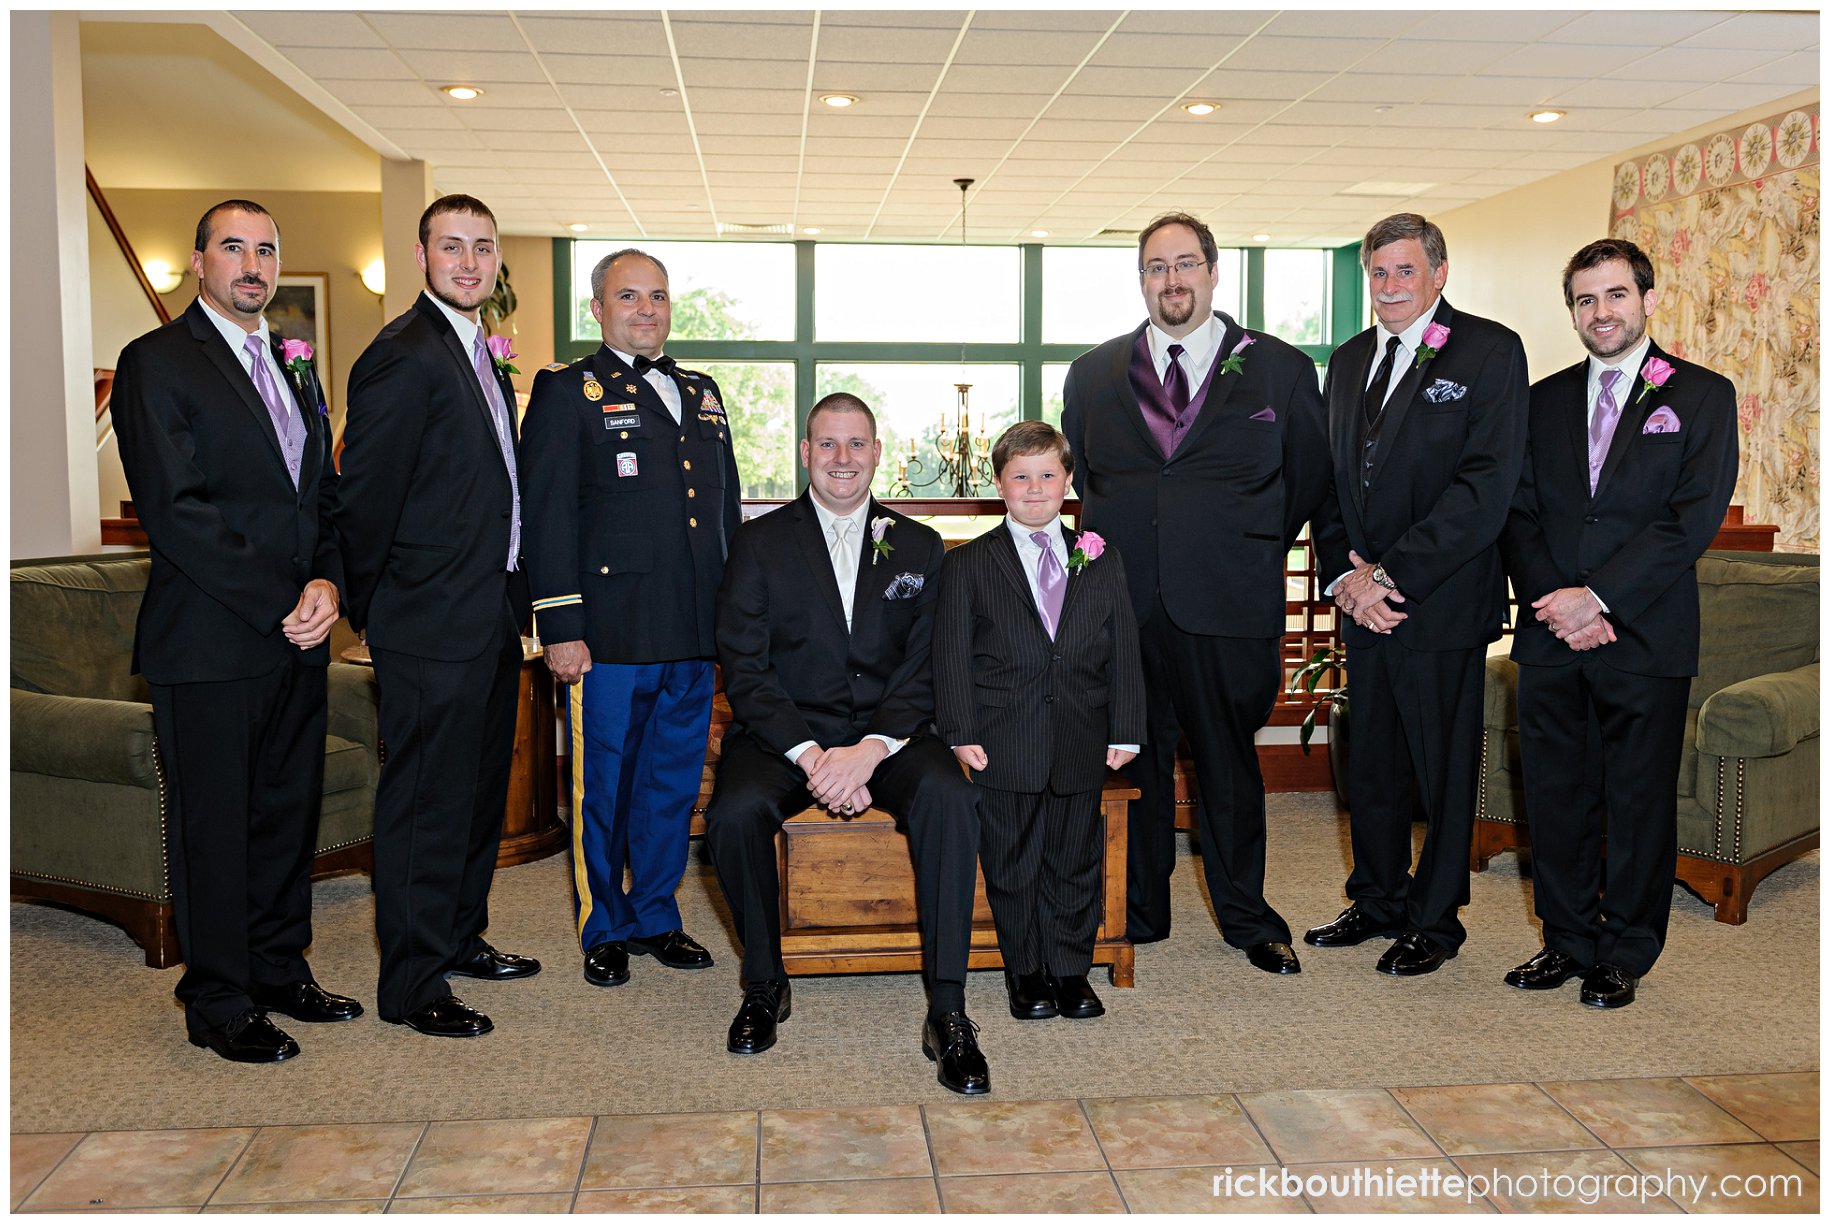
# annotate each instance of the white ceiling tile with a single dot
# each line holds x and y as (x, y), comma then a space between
(546, 142)
(1369, 26)
(1073, 105)
(1231, 82)
(1146, 56)
(605, 35)
(944, 126)
(1727, 97)
(1004, 48)
(1697, 64)
(312, 29)
(410, 118)
(498, 94)
(882, 44)
(743, 124)
(1373, 86)
(1511, 177)
(521, 119)
(445, 31)
(437, 146)
(1429, 56)
(958, 102)
(1754, 31)
(1631, 28)
(1194, 24)
(473, 67)
(866, 19)
(775, 75)
(1487, 25)
(869, 82)
(1005, 79)
(1487, 89)
(700, 39)
(651, 71)
(1618, 94)
(1797, 70)
(334, 64)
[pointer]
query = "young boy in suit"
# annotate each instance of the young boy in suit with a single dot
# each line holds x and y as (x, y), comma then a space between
(1039, 689)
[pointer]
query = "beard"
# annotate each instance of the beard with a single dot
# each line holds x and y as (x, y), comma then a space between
(250, 306)
(451, 299)
(1177, 312)
(1622, 341)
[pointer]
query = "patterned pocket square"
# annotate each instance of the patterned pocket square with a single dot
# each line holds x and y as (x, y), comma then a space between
(1662, 420)
(1265, 414)
(904, 586)
(1442, 391)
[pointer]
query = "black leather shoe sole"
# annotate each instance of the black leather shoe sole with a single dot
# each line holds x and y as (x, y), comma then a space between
(1412, 961)
(1336, 935)
(1527, 978)
(1084, 1009)
(489, 969)
(433, 1029)
(224, 1046)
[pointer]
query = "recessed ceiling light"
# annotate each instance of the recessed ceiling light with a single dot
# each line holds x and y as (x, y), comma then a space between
(1200, 108)
(670, 93)
(1384, 109)
(1545, 116)
(1261, 237)
(578, 227)
(839, 101)
(463, 93)
(1038, 233)
(810, 229)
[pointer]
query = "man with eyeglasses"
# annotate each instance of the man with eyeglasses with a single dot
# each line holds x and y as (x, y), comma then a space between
(1200, 454)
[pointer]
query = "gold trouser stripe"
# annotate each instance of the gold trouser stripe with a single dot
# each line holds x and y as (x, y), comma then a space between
(576, 692)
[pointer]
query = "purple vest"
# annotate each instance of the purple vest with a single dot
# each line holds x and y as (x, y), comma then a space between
(1165, 426)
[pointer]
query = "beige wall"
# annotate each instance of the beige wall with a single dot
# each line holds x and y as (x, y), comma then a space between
(530, 265)
(1506, 254)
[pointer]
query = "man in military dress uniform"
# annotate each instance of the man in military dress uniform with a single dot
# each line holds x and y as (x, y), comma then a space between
(631, 498)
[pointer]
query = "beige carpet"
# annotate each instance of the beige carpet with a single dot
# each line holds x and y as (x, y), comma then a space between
(98, 1042)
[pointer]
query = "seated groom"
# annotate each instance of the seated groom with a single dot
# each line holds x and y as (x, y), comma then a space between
(824, 625)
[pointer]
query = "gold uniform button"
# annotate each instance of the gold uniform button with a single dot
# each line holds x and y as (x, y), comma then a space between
(691, 493)
(687, 464)
(692, 522)
(603, 569)
(682, 437)
(624, 434)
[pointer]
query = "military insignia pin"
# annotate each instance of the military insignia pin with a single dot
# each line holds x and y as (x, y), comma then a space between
(594, 390)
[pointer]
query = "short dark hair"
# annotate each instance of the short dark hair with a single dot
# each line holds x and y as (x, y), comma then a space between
(840, 401)
(1601, 251)
(1210, 251)
(1398, 227)
(1031, 438)
(602, 268)
(452, 204)
(248, 206)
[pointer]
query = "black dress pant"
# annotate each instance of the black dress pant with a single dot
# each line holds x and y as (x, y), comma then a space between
(1040, 853)
(1219, 690)
(450, 735)
(1416, 743)
(922, 786)
(244, 773)
(1600, 750)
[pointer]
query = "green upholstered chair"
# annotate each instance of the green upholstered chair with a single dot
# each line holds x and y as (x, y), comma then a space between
(89, 807)
(1747, 785)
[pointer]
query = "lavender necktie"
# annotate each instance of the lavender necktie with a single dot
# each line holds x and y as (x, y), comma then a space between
(1051, 582)
(288, 426)
(498, 415)
(1601, 429)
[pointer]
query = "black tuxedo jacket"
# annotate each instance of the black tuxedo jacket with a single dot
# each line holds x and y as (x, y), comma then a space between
(424, 504)
(628, 517)
(1635, 542)
(791, 671)
(1443, 477)
(1210, 526)
(233, 543)
(1043, 709)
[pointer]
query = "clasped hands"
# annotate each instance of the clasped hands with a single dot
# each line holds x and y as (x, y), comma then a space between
(309, 622)
(1574, 615)
(836, 777)
(1365, 601)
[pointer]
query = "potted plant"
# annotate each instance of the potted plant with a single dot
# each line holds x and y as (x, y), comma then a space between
(1328, 661)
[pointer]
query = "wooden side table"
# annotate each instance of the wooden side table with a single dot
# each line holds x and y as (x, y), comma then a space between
(531, 828)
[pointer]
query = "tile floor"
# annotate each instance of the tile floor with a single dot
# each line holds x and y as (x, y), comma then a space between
(1749, 1142)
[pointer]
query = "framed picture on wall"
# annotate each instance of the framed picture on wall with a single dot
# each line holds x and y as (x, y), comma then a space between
(300, 310)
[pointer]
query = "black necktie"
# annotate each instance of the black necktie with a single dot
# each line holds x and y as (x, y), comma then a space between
(1375, 394)
(663, 363)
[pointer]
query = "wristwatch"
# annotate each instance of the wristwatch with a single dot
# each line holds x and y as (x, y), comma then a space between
(1383, 579)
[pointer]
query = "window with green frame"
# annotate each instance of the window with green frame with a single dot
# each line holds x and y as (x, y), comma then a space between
(763, 317)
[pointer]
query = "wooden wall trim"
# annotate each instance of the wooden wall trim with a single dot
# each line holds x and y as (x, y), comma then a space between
(133, 261)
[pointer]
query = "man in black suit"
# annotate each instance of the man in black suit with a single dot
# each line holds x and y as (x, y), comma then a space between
(825, 624)
(1201, 456)
(1426, 415)
(633, 497)
(430, 518)
(227, 454)
(1631, 465)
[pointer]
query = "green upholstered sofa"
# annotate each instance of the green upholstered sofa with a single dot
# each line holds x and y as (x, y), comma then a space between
(1747, 786)
(88, 800)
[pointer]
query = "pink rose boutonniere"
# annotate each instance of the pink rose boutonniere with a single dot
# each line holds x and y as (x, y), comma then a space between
(1656, 372)
(1234, 363)
(1090, 546)
(502, 352)
(1434, 337)
(880, 547)
(296, 356)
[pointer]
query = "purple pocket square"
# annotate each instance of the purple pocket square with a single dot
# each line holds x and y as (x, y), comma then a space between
(1662, 420)
(1265, 414)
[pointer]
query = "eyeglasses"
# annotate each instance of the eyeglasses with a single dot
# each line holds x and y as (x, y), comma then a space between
(1156, 269)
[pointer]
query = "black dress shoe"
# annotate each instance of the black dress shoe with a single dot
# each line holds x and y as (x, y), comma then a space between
(1273, 958)
(675, 949)
(765, 1005)
(1350, 927)
(1547, 970)
(1608, 986)
(1075, 997)
(494, 966)
(305, 1001)
(952, 1045)
(1413, 955)
(447, 1017)
(607, 963)
(249, 1038)
(1031, 995)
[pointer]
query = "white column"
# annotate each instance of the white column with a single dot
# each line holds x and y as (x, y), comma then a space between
(406, 189)
(52, 362)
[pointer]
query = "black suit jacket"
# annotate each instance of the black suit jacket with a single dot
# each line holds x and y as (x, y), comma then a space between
(1043, 709)
(1210, 526)
(628, 516)
(791, 671)
(233, 543)
(424, 504)
(1443, 477)
(1635, 542)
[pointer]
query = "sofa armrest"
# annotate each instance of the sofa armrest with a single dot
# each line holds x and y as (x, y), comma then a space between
(1762, 717)
(353, 698)
(85, 738)
(1500, 701)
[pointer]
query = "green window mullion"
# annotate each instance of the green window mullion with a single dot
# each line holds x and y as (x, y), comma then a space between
(1029, 395)
(1254, 288)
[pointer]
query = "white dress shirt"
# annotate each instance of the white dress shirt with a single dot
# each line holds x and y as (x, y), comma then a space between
(665, 387)
(1628, 365)
(237, 337)
(1199, 349)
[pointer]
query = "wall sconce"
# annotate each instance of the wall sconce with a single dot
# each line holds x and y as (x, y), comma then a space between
(375, 278)
(163, 276)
